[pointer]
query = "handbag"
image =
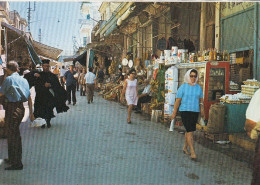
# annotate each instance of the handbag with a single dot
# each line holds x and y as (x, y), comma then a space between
(172, 125)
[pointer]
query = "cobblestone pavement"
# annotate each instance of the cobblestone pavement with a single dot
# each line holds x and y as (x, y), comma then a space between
(93, 144)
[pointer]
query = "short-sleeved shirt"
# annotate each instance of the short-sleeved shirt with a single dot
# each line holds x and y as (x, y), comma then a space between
(70, 80)
(190, 96)
(253, 108)
(147, 90)
(62, 72)
(90, 78)
(15, 88)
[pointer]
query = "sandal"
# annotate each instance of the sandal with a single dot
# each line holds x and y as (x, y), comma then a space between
(194, 158)
(186, 152)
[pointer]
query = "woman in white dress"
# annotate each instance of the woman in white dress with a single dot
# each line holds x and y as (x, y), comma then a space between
(130, 91)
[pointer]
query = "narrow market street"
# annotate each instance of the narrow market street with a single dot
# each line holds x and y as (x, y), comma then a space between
(93, 144)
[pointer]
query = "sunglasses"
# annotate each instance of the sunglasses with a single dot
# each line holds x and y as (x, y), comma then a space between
(193, 76)
(133, 73)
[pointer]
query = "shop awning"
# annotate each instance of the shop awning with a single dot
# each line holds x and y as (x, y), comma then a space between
(15, 36)
(71, 58)
(81, 58)
(47, 51)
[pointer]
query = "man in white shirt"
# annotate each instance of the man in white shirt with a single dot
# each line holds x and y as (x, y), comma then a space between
(252, 127)
(145, 97)
(90, 78)
(62, 72)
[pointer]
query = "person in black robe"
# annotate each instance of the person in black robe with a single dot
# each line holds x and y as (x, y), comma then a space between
(49, 93)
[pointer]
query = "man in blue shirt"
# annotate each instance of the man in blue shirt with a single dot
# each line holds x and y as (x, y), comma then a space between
(14, 91)
(71, 79)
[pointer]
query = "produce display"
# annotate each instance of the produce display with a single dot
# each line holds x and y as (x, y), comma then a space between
(112, 68)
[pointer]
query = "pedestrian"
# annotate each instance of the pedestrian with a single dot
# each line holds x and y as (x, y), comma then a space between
(252, 127)
(145, 97)
(56, 71)
(189, 101)
(16, 91)
(62, 72)
(71, 81)
(130, 92)
(91, 83)
(82, 82)
(49, 93)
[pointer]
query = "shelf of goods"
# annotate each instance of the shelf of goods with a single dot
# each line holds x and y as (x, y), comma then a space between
(171, 86)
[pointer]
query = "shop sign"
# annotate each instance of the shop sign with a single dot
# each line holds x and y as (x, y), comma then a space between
(214, 63)
(229, 8)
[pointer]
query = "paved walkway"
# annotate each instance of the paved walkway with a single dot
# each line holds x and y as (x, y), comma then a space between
(93, 144)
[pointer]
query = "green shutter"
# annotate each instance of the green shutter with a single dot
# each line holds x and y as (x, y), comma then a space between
(238, 31)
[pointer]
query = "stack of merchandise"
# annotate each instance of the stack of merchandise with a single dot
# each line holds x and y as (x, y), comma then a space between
(233, 85)
(171, 56)
(234, 73)
(171, 85)
(235, 99)
(248, 90)
(250, 87)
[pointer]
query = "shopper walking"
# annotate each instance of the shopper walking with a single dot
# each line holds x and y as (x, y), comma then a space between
(16, 91)
(71, 80)
(130, 92)
(252, 127)
(49, 93)
(189, 101)
(82, 82)
(91, 83)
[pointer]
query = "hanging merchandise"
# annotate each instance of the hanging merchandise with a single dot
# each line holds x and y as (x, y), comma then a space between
(124, 62)
(130, 63)
(161, 44)
(170, 43)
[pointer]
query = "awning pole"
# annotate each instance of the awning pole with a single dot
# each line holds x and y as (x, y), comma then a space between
(5, 35)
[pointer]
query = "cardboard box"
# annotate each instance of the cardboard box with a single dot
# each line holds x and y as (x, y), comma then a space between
(240, 60)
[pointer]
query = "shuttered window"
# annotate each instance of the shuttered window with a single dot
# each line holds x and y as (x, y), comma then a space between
(238, 32)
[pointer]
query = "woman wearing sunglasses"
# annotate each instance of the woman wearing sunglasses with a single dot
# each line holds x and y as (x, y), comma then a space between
(189, 101)
(130, 91)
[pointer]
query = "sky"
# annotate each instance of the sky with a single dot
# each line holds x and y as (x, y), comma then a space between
(58, 22)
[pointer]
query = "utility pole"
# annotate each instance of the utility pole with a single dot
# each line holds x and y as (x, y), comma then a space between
(29, 14)
(40, 35)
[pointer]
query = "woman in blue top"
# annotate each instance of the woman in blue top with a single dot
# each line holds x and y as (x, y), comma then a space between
(189, 101)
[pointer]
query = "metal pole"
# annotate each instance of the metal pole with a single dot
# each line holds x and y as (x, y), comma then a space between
(5, 35)
(256, 65)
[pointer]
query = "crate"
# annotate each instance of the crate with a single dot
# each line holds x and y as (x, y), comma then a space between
(216, 137)
(145, 107)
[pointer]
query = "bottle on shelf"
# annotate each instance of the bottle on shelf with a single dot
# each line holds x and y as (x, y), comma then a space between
(195, 58)
(218, 56)
(215, 54)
